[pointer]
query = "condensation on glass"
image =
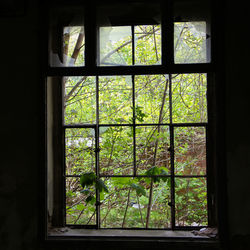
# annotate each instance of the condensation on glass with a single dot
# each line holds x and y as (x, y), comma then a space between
(67, 45)
(129, 34)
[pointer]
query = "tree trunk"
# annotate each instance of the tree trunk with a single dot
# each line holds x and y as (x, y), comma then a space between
(155, 154)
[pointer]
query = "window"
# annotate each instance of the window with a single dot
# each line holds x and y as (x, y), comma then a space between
(130, 116)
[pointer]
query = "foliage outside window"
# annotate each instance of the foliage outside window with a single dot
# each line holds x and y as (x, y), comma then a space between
(135, 145)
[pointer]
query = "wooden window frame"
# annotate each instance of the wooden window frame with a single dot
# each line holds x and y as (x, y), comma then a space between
(167, 67)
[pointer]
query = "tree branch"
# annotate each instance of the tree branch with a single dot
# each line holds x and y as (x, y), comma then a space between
(155, 153)
(121, 46)
(125, 214)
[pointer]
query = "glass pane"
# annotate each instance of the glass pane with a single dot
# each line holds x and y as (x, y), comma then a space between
(116, 21)
(191, 202)
(67, 43)
(147, 44)
(189, 98)
(78, 210)
(115, 45)
(152, 98)
(115, 99)
(126, 204)
(79, 100)
(190, 42)
(73, 46)
(190, 150)
(79, 150)
(152, 144)
(116, 155)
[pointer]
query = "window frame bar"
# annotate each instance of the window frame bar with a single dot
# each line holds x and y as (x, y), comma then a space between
(167, 67)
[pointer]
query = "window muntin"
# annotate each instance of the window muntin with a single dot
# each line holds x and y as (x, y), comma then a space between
(94, 124)
(129, 34)
(130, 45)
(133, 141)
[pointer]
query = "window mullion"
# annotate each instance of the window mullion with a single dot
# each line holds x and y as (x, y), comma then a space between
(90, 36)
(167, 33)
(211, 150)
(97, 126)
(172, 204)
(133, 43)
(58, 159)
(97, 150)
(168, 68)
(134, 119)
(172, 177)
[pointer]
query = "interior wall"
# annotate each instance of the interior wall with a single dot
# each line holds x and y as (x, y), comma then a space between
(237, 119)
(21, 133)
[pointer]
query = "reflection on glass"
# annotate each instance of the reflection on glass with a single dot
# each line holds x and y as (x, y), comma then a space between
(67, 36)
(73, 46)
(189, 98)
(190, 202)
(152, 149)
(78, 211)
(152, 98)
(79, 150)
(79, 100)
(190, 150)
(116, 155)
(115, 99)
(147, 44)
(190, 44)
(126, 204)
(115, 45)
(72, 52)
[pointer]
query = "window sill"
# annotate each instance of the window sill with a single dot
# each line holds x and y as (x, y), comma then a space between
(130, 239)
(126, 234)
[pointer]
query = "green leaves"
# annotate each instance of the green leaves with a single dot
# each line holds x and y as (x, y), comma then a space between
(154, 171)
(101, 186)
(89, 180)
(123, 182)
(90, 199)
(139, 115)
(138, 188)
